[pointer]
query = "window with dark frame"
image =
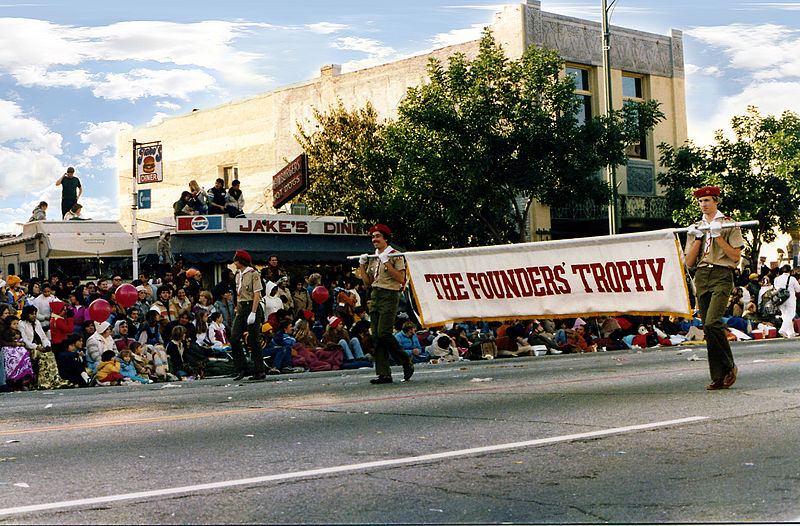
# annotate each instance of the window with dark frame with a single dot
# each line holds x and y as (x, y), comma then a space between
(632, 90)
(583, 92)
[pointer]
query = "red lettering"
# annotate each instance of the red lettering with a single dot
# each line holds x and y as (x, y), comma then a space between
(433, 278)
(486, 287)
(497, 283)
(612, 277)
(329, 228)
(447, 287)
(248, 228)
(284, 226)
(258, 226)
(524, 281)
(271, 226)
(472, 280)
(458, 286)
(558, 272)
(549, 280)
(625, 274)
(640, 276)
(535, 281)
(301, 227)
(599, 277)
(657, 273)
(510, 284)
(583, 269)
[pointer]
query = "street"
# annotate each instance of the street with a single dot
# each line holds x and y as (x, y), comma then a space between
(626, 436)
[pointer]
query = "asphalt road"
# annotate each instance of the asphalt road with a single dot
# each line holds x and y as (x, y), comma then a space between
(617, 436)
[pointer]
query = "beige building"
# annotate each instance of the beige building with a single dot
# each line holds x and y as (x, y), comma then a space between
(252, 139)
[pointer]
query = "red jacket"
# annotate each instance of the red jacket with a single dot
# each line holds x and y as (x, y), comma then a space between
(59, 327)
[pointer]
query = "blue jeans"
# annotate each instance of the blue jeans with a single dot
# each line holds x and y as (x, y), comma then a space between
(352, 351)
(282, 356)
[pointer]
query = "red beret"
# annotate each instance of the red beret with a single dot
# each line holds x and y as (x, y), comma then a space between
(244, 256)
(381, 228)
(706, 191)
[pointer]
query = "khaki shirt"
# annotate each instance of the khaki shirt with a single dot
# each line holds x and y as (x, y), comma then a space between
(247, 283)
(715, 255)
(384, 280)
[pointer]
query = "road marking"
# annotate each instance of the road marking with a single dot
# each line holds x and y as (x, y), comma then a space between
(345, 468)
(213, 414)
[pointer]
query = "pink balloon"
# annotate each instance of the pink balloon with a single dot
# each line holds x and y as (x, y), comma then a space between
(126, 295)
(320, 294)
(99, 310)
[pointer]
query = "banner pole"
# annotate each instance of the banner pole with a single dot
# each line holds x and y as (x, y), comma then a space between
(134, 207)
(742, 224)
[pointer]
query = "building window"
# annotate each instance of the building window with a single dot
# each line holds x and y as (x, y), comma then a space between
(583, 93)
(632, 90)
(229, 174)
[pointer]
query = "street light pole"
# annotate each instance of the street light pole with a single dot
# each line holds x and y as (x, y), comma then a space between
(611, 170)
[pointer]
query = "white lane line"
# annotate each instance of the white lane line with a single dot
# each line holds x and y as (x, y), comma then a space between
(340, 469)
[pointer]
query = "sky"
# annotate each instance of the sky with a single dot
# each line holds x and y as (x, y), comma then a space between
(74, 73)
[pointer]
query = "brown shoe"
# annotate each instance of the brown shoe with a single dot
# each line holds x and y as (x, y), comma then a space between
(716, 384)
(730, 378)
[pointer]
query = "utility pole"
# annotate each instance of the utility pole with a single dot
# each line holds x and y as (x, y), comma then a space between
(134, 207)
(611, 171)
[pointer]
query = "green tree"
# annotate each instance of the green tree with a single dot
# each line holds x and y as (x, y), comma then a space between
(349, 171)
(484, 139)
(757, 171)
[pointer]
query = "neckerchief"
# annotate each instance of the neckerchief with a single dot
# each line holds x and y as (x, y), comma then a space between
(240, 279)
(707, 245)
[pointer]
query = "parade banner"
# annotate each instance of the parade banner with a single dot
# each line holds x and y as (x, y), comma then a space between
(638, 273)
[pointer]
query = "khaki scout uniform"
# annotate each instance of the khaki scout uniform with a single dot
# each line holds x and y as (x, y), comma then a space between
(248, 282)
(385, 297)
(713, 283)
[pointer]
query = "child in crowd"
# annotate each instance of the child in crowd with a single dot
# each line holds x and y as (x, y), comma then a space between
(142, 360)
(443, 349)
(17, 361)
(175, 350)
(108, 370)
(128, 369)
(216, 334)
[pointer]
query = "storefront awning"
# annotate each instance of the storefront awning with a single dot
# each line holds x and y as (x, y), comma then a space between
(219, 248)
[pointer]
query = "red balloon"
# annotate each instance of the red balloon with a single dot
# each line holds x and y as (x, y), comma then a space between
(126, 295)
(99, 310)
(320, 294)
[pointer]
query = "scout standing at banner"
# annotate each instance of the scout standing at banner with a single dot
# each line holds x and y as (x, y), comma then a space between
(385, 274)
(715, 253)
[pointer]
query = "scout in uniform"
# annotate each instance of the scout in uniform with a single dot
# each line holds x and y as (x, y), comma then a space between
(249, 317)
(385, 274)
(715, 252)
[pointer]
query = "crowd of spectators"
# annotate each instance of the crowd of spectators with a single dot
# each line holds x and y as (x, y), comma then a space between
(217, 200)
(179, 327)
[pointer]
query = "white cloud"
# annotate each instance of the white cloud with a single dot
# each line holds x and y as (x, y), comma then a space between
(139, 83)
(752, 47)
(326, 28)
(784, 6)
(709, 71)
(26, 132)
(376, 52)
(489, 7)
(102, 140)
(771, 97)
(457, 36)
(167, 105)
(40, 53)
(158, 118)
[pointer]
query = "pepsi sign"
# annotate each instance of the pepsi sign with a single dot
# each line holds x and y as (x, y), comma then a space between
(199, 223)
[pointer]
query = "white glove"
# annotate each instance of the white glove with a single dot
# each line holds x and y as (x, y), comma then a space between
(383, 257)
(362, 259)
(251, 318)
(715, 229)
(694, 231)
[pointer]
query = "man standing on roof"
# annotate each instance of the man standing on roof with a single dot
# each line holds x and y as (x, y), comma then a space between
(715, 252)
(385, 274)
(249, 317)
(71, 190)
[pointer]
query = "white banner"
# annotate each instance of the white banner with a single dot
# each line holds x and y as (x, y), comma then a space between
(638, 273)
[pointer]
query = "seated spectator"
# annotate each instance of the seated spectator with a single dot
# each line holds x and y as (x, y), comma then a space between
(182, 207)
(142, 360)
(360, 338)
(302, 333)
(175, 350)
(234, 202)
(199, 198)
(281, 351)
(121, 336)
(127, 368)
(71, 362)
(97, 344)
(224, 306)
(74, 213)
(443, 349)
(108, 370)
(150, 330)
(408, 341)
(40, 212)
(17, 362)
(336, 334)
(217, 338)
(218, 197)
